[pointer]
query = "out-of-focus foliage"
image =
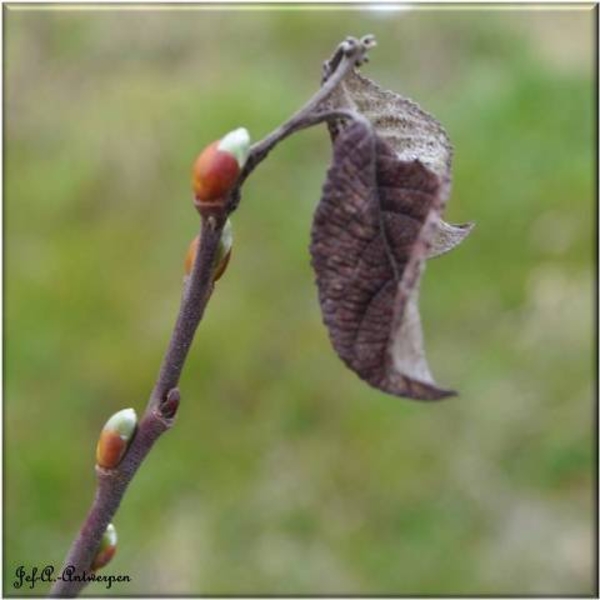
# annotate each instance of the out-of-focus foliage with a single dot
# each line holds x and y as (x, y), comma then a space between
(285, 473)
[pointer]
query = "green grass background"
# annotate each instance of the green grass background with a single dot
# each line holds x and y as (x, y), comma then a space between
(286, 474)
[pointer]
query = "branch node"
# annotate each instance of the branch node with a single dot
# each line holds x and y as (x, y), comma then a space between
(113, 474)
(170, 404)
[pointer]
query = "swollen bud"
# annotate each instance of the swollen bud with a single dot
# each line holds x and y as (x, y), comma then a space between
(107, 548)
(217, 168)
(115, 438)
(222, 256)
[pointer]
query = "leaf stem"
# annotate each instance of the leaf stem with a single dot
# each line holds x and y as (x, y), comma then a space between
(349, 54)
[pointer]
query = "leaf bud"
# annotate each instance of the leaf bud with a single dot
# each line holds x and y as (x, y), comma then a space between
(107, 548)
(115, 438)
(222, 256)
(217, 169)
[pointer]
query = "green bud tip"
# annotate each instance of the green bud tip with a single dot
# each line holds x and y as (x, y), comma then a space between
(123, 422)
(109, 537)
(236, 142)
(226, 238)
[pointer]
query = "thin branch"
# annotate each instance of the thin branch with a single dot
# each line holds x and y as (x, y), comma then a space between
(164, 401)
(348, 55)
(159, 416)
(111, 486)
(196, 295)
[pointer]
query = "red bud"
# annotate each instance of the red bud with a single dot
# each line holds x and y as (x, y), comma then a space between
(214, 174)
(223, 252)
(217, 169)
(115, 438)
(107, 548)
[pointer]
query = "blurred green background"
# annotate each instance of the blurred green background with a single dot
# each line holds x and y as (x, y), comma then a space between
(286, 474)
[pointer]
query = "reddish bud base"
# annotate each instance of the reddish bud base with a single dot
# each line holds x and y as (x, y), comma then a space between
(110, 449)
(214, 174)
(103, 557)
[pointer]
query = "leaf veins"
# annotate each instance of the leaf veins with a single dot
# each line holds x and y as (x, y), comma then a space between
(372, 232)
(410, 131)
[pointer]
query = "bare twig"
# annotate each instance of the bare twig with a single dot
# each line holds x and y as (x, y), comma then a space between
(164, 401)
(159, 416)
(349, 54)
(195, 298)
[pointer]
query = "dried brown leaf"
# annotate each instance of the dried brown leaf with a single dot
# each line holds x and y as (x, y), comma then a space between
(404, 125)
(409, 130)
(372, 232)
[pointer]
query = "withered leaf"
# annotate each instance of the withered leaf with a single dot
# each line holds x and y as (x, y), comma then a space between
(373, 229)
(403, 124)
(378, 221)
(409, 130)
(447, 237)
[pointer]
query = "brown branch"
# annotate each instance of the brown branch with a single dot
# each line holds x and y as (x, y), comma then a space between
(164, 400)
(195, 298)
(348, 55)
(159, 416)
